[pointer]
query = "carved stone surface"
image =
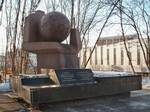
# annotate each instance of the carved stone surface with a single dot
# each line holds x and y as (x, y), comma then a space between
(43, 34)
(72, 76)
(54, 27)
(31, 28)
(35, 95)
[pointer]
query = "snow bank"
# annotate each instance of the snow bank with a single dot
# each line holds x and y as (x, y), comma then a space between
(109, 74)
(5, 87)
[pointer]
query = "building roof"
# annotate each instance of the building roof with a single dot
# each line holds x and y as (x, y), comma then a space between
(115, 39)
(129, 37)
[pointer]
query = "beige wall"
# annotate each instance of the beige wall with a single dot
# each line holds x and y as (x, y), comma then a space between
(132, 46)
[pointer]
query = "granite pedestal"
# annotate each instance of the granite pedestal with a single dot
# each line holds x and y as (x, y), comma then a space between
(41, 89)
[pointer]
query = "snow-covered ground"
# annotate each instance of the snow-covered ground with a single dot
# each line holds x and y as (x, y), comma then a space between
(5, 87)
(109, 74)
(146, 82)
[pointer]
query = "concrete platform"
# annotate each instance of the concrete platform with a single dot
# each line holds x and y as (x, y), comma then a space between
(139, 101)
(43, 93)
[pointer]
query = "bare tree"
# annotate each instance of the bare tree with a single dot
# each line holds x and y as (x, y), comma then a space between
(124, 38)
(14, 32)
(136, 17)
(113, 7)
(1, 4)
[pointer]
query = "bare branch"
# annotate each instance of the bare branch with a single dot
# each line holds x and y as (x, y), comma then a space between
(101, 31)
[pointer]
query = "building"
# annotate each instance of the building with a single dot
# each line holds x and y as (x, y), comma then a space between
(110, 54)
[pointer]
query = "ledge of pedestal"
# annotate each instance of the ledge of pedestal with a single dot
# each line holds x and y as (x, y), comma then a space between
(48, 47)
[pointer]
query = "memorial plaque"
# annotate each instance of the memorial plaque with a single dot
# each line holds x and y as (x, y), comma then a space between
(84, 76)
(72, 76)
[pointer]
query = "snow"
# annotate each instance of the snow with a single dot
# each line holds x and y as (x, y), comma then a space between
(109, 74)
(146, 82)
(5, 87)
(34, 76)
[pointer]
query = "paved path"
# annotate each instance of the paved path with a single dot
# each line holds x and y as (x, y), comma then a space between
(9, 105)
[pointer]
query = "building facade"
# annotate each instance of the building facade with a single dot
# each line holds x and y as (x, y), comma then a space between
(110, 55)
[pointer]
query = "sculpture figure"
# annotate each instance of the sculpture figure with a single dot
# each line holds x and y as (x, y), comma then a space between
(43, 34)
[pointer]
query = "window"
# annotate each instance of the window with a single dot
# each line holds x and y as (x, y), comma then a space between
(107, 56)
(84, 56)
(90, 58)
(122, 56)
(138, 55)
(101, 55)
(96, 55)
(114, 56)
(130, 56)
(129, 52)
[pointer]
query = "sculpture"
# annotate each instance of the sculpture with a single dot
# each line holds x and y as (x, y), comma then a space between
(54, 27)
(62, 84)
(43, 34)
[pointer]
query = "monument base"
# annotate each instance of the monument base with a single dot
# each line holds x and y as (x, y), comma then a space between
(47, 91)
(53, 54)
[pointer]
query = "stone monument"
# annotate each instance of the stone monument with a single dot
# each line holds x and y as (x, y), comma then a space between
(43, 34)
